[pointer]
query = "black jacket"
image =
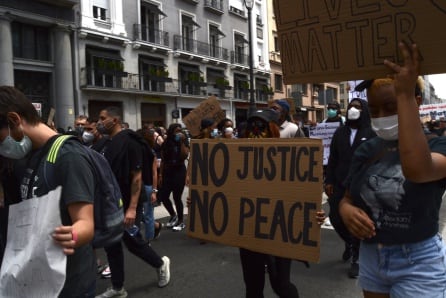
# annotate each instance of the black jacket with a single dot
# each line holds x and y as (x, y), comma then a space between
(341, 152)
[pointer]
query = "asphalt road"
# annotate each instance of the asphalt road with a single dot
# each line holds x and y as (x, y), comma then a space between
(214, 271)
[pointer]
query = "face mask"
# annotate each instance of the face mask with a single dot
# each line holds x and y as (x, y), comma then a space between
(79, 130)
(10, 148)
(332, 113)
(353, 113)
(87, 137)
(214, 133)
(103, 129)
(386, 127)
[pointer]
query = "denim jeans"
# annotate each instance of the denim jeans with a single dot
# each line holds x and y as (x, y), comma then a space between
(405, 270)
(149, 218)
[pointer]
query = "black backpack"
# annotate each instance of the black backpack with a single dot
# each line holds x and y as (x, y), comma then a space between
(108, 205)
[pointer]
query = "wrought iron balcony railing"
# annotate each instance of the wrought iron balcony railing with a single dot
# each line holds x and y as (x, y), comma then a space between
(148, 34)
(214, 5)
(198, 47)
(237, 58)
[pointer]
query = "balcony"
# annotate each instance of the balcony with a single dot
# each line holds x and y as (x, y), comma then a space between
(215, 6)
(237, 58)
(112, 80)
(199, 48)
(145, 83)
(144, 33)
(237, 12)
(275, 56)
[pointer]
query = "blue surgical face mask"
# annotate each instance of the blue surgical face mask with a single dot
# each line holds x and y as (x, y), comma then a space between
(13, 149)
(332, 113)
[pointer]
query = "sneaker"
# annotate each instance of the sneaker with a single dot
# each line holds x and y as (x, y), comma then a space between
(106, 273)
(353, 271)
(164, 273)
(158, 231)
(122, 293)
(101, 268)
(179, 227)
(172, 222)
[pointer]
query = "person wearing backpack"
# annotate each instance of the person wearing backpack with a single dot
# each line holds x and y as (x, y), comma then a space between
(174, 152)
(24, 138)
(124, 151)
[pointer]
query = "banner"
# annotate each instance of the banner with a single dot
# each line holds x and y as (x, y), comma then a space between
(325, 132)
(259, 194)
(433, 111)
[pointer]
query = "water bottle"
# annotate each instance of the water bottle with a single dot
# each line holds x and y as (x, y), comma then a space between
(133, 230)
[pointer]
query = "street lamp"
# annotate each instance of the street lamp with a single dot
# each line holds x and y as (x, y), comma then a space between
(252, 104)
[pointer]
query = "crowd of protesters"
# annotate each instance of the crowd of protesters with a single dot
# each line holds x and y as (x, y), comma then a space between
(375, 178)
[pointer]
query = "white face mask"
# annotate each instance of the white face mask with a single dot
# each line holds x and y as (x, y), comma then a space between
(13, 149)
(87, 137)
(386, 127)
(353, 113)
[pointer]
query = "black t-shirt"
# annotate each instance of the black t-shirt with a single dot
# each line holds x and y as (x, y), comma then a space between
(125, 155)
(75, 174)
(403, 211)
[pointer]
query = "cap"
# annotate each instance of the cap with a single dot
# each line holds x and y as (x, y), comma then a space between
(267, 115)
(284, 104)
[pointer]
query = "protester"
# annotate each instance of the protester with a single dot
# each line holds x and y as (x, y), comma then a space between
(174, 152)
(22, 131)
(287, 128)
(152, 227)
(334, 113)
(263, 124)
(345, 141)
(79, 124)
(394, 191)
(125, 152)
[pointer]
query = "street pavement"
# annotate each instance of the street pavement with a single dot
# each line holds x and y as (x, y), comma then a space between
(212, 270)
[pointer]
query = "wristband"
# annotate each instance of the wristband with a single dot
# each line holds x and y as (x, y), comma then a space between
(74, 236)
(154, 190)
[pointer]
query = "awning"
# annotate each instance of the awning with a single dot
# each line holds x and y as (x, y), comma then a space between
(105, 54)
(151, 61)
(195, 23)
(189, 68)
(219, 32)
(156, 9)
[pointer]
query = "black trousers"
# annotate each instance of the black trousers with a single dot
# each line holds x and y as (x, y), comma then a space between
(351, 242)
(253, 266)
(174, 179)
(137, 246)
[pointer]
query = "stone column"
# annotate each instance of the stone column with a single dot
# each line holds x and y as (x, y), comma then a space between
(6, 55)
(63, 74)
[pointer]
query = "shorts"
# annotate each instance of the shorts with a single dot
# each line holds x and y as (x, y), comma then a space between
(405, 270)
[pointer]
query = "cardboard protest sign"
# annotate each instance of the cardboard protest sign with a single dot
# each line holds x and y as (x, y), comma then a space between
(339, 40)
(209, 108)
(325, 132)
(259, 194)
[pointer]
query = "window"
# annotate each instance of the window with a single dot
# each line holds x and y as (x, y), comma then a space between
(341, 90)
(101, 9)
(30, 42)
(276, 44)
(187, 31)
(278, 82)
(99, 13)
(239, 49)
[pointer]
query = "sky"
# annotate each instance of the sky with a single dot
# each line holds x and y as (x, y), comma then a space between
(439, 83)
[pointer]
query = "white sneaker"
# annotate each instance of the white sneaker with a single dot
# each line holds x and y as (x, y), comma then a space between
(179, 227)
(122, 293)
(172, 222)
(106, 273)
(164, 273)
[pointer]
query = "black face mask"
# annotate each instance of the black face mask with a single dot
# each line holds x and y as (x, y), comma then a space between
(103, 129)
(79, 130)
